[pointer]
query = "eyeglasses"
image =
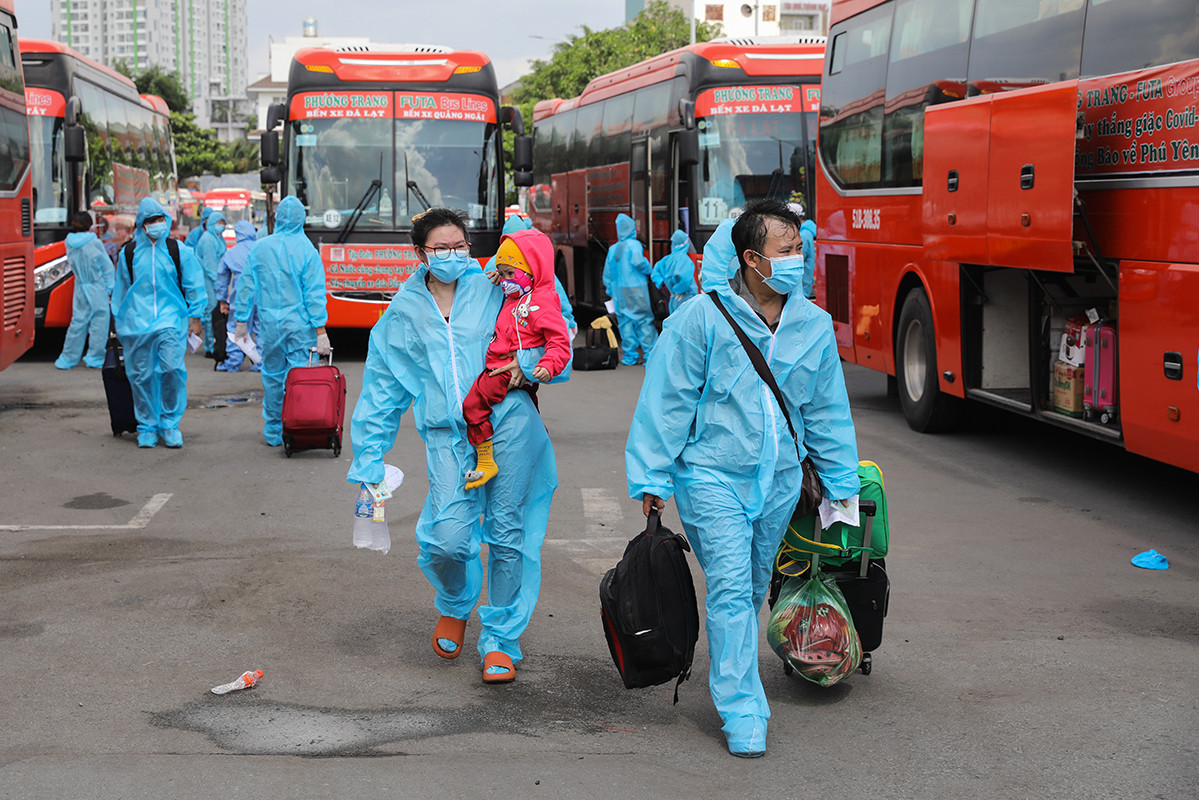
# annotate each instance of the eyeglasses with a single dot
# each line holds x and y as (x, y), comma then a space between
(441, 252)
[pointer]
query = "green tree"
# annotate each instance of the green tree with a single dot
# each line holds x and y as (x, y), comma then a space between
(197, 150)
(582, 58)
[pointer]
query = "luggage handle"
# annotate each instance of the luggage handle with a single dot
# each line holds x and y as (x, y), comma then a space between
(867, 507)
(312, 352)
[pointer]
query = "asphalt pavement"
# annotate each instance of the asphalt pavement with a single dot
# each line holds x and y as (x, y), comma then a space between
(1023, 655)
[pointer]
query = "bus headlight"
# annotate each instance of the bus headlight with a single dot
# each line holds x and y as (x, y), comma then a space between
(50, 273)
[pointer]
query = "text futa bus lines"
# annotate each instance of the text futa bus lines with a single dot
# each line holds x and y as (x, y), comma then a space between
(16, 200)
(375, 135)
(990, 173)
(97, 145)
(686, 138)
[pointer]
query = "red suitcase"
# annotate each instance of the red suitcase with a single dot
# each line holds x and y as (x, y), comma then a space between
(314, 406)
(1101, 393)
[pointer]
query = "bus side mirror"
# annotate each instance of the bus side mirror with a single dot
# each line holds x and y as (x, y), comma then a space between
(522, 178)
(688, 147)
(269, 148)
(275, 113)
(74, 144)
(687, 113)
(268, 176)
(522, 155)
(510, 116)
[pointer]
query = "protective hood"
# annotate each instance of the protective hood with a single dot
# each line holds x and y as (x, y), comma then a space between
(516, 223)
(538, 251)
(213, 219)
(626, 228)
(245, 230)
(80, 238)
(679, 241)
(205, 214)
(720, 258)
(148, 207)
(808, 226)
(289, 216)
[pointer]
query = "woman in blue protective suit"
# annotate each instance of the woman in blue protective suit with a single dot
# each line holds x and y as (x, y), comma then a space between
(709, 431)
(676, 271)
(152, 314)
(92, 268)
(425, 352)
(625, 273)
(285, 279)
(210, 249)
(228, 273)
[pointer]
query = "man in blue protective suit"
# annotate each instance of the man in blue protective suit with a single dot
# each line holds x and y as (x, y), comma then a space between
(709, 431)
(516, 223)
(425, 352)
(152, 310)
(676, 270)
(284, 276)
(807, 235)
(93, 285)
(193, 236)
(228, 273)
(625, 272)
(210, 249)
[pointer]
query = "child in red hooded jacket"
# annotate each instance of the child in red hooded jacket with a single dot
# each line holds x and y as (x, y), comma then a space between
(531, 317)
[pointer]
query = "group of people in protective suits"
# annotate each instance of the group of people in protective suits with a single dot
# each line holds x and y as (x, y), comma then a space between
(706, 431)
(166, 290)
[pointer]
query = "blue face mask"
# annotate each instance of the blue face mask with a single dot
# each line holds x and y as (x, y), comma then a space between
(453, 267)
(786, 273)
(157, 230)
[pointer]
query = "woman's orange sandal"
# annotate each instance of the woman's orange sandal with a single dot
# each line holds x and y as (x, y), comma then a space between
(498, 659)
(452, 629)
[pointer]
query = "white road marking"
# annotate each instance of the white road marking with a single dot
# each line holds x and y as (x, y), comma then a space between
(140, 520)
(605, 537)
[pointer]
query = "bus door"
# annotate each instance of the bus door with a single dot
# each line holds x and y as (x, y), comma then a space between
(640, 191)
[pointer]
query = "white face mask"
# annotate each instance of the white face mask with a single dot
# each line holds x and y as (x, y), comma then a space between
(786, 273)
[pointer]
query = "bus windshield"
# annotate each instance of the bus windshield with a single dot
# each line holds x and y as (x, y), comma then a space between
(746, 157)
(49, 169)
(419, 163)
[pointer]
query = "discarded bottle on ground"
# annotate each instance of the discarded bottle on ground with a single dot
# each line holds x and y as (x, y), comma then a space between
(244, 681)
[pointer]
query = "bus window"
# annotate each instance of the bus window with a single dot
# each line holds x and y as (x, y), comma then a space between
(564, 125)
(1125, 35)
(618, 122)
(333, 163)
(588, 123)
(929, 47)
(851, 96)
(445, 163)
(1019, 43)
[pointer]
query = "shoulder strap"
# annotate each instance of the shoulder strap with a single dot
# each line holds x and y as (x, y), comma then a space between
(173, 251)
(759, 362)
(127, 249)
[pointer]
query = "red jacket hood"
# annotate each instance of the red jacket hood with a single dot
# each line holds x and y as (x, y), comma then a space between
(538, 251)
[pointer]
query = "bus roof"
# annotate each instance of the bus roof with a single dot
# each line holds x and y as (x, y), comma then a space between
(378, 62)
(767, 56)
(157, 103)
(844, 9)
(33, 46)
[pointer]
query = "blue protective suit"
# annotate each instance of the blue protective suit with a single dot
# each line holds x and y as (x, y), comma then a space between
(807, 235)
(151, 320)
(228, 272)
(676, 271)
(210, 249)
(516, 223)
(89, 307)
(708, 431)
(418, 362)
(625, 273)
(284, 276)
(193, 236)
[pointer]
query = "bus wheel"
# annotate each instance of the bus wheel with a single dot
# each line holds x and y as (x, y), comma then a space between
(925, 406)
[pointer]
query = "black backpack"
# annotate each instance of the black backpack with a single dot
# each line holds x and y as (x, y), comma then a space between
(648, 608)
(172, 250)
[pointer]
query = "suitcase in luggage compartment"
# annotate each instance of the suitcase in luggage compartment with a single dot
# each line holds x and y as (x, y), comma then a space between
(314, 403)
(117, 390)
(1101, 399)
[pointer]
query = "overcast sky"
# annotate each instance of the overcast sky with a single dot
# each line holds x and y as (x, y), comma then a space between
(504, 29)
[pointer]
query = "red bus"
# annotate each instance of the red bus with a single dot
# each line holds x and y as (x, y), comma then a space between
(16, 200)
(97, 145)
(375, 134)
(237, 205)
(686, 139)
(990, 172)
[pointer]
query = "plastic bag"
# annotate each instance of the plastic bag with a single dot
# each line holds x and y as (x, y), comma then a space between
(812, 630)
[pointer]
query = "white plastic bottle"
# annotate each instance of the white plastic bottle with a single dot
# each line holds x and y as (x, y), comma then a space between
(380, 535)
(363, 513)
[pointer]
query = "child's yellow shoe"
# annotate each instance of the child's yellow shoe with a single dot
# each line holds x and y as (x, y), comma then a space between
(485, 468)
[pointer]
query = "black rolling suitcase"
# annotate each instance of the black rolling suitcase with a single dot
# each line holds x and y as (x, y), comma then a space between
(220, 335)
(117, 389)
